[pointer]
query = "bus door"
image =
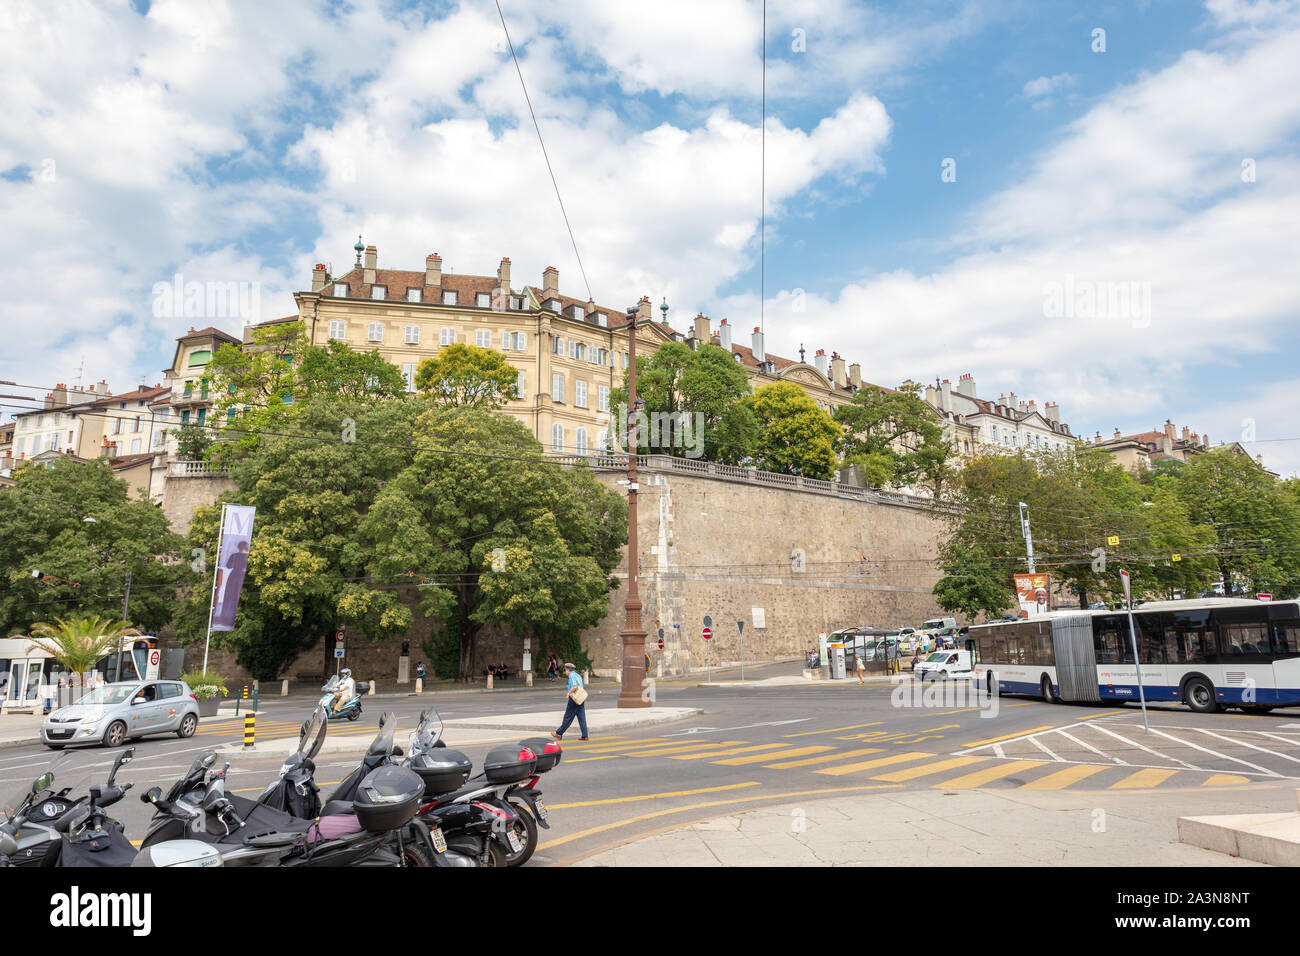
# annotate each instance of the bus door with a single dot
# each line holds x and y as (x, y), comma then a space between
(1076, 658)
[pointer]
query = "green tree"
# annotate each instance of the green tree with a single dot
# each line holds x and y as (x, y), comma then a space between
(972, 584)
(796, 436)
(495, 540)
(192, 442)
(466, 376)
(895, 438)
(338, 371)
(44, 517)
(709, 387)
(257, 379)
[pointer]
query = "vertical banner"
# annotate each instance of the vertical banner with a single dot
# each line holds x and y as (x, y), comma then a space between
(1031, 593)
(232, 565)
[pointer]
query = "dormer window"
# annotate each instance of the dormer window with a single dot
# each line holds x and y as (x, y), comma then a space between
(379, 292)
(576, 312)
(483, 300)
(412, 295)
(341, 289)
(448, 297)
(553, 305)
(602, 320)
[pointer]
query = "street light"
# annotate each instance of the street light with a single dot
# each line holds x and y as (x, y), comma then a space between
(633, 635)
(41, 576)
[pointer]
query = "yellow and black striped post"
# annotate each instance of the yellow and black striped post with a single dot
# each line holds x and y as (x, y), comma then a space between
(250, 729)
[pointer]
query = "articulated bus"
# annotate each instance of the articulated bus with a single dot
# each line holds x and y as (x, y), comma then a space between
(1207, 654)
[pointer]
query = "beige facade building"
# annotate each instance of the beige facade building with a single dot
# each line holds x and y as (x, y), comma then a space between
(1140, 450)
(980, 426)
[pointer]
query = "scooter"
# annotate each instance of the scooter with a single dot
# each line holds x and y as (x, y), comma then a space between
(351, 709)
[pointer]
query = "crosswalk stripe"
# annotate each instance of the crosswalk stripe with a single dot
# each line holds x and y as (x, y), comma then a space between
(1063, 778)
(724, 753)
(911, 773)
(1225, 780)
(1143, 778)
(826, 758)
(871, 764)
(831, 730)
(989, 774)
(994, 740)
(607, 744)
(759, 758)
(681, 748)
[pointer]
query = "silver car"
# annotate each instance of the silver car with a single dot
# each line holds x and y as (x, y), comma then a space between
(115, 713)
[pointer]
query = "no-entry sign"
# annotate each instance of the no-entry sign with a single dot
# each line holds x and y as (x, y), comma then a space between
(708, 633)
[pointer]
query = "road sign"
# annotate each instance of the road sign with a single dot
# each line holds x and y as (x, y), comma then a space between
(1123, 576)
(740, 626)
(661, 643)
(708, 621)
(338, 653)
(708, 633)
(155, 657)
(528, 643)
(1263, 596)
(1113, 541)
(340, 635)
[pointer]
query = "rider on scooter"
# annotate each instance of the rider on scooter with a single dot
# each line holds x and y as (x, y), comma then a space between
(345, 691)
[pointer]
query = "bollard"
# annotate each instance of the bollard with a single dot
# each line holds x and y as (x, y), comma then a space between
(284, 687)
(528, 679)
(373, 685)
(489, 682)
(245, 692)
(255, 696)
(250, 729)
(419, 685)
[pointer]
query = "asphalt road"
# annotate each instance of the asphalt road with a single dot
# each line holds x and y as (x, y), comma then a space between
(756, 746)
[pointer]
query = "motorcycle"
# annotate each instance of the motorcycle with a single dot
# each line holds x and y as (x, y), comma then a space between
(351, 709)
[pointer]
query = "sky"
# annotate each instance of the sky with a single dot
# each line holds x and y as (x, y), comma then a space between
(1093, 204)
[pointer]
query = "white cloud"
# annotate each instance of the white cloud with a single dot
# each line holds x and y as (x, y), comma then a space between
(1045, 85)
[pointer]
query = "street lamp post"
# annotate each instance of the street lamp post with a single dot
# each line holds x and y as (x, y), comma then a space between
(633, 634)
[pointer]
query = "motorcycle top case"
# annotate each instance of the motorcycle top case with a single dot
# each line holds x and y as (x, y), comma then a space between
(443, 770)
(388, 798)
(509, 764)
(548, 752)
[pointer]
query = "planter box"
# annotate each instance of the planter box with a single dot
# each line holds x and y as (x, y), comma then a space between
(208, 708)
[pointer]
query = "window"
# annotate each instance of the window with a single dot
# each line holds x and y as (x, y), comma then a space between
(1191, 637)
(602, 398)
(408, 373)
(553, 305)
(379, 292)
(580, 394)
(341, 289)
(581, 352)
(117, 426)
(519, 386)
(200, 357)
(517, 302)
(576, 312)
(159, 437)
(412, 335)
(557, 345)
(135, 429)
(483, 339)
(448, 336)
(448, 297)
(203, 413)
(337, 329)
(521, 341)
(375, 333)
(1285, 619)
(505, 339)
(1108, 641)
(135, 446)
(557, 387)
(602, 320)
(185, 416)
(412, 295)
(483, 300)
(580, 441)
(557, 437)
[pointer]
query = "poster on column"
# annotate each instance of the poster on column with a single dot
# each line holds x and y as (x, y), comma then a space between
(232, 564)
(1031, 593)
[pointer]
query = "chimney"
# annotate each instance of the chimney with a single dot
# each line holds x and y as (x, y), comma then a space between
(966, 385)
(1096, 439)
(503, 275)
(1117, 435)
(945, 395)
(433, 269)
(1205, 441)
(1170, 432)
(855, 375)
(550, 282)
(724, 335)
(702, 327)
(1187, 436)
(318, 277)
(1053, 412)
(821, 362)
(932, 395)
(372, 258)
(756, 346)
(643, 310)
(837, 369)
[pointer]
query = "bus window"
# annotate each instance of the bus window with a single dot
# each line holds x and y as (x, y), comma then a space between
(1192, 634)
(1285, 619)
(1241, 632)
(1106, 640)
(1154, 638)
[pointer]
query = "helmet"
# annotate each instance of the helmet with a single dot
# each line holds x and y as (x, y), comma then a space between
(347, 672)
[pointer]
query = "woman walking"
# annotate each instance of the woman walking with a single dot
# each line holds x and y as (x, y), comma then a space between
(576, 705)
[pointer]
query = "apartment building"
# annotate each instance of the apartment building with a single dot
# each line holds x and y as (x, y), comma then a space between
(981, 426)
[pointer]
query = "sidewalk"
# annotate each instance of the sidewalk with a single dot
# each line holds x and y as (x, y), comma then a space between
(936, 828)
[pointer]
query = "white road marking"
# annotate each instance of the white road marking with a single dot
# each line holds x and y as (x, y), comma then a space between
(1188, 743)
(1243, 743)
(1088, 746)
(1034, 740)
(1154, 753)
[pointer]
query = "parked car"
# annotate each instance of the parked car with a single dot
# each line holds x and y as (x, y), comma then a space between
(116, 713)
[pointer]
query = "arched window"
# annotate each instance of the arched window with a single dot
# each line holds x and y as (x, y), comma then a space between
(580, 441)
(557, 437)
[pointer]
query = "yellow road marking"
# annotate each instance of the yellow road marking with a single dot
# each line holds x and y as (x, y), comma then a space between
(823, 759)
(932, 730)
(1109, 713)
(1063, 778)
(603, 746)
(696, 806)
(680, 748)
(989, 774)
(871, 764)
(724, 753)
(1143, 778)
(650, 796)
(759, 758)
(832, 730)
(588, 759)
(911, 773)
(1225, 780)
(993, 740)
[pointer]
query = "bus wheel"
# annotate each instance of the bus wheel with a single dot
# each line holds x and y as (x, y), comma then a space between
(1046, 689)
(1199, 695)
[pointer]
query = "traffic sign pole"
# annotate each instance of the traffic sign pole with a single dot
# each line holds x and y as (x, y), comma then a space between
(740, 626)
(1132, 633)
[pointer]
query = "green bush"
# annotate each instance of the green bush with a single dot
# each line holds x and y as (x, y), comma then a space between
(205, 684)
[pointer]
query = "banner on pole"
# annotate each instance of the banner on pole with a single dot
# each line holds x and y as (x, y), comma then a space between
(1031, 593)
(232, 564)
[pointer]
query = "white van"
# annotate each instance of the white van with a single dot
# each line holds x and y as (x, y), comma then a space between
(944, 665)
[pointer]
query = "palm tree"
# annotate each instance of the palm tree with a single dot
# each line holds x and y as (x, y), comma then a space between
(81, 642)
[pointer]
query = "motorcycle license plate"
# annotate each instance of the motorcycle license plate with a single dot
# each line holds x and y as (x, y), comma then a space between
(541, 807)
(513, 837)
(439, 841)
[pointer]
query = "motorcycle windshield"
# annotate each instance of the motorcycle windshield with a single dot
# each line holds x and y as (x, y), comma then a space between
(429, 731)
(331, 685)
(313, 733)
(383, 742)
(59, 768)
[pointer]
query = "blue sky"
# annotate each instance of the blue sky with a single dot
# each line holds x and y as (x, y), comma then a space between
(241, 141)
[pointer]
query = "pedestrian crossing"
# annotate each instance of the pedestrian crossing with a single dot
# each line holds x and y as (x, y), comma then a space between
(916, 768)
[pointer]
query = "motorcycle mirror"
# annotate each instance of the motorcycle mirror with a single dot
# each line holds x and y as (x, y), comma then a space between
(152, 795)
(123, 758)
(43, 782)
(397, 751)
(209, 760)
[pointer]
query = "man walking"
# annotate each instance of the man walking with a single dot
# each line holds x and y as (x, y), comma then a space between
(576, 705)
